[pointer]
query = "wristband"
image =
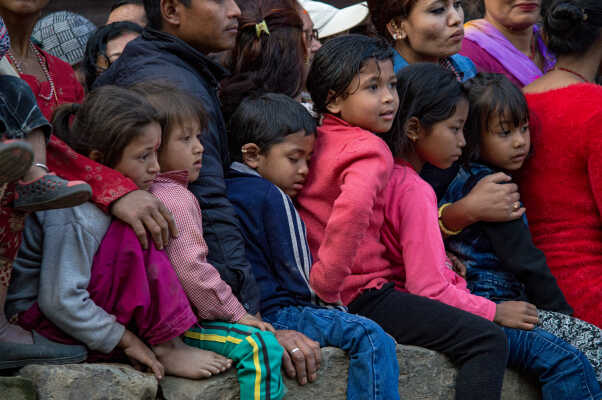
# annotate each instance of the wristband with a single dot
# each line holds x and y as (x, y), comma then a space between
(442, 226)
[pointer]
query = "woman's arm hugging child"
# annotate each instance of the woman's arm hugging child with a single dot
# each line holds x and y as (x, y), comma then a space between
(95, 280)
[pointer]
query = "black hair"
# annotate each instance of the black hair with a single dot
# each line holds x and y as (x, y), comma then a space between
(266, 120)
(153, 12)
(174, 106)
(490, 94)
(97, 45)
(427, 92)
(120, 3)
(573, 26)
(109, 118)
(265, 63)
(338, 62)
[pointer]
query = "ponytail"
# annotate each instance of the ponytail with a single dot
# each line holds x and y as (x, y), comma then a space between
(109, 119)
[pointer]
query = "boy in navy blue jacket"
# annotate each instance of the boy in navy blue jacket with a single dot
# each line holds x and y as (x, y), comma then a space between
(272, 142)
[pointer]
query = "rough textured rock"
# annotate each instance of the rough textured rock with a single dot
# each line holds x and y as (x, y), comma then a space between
(424, 374)
(17, 388)
(90, 382)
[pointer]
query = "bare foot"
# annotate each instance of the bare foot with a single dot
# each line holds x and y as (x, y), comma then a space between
(185, 361)
(10, 333)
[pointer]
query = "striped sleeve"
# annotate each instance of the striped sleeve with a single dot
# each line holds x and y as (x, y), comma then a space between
(287, 239)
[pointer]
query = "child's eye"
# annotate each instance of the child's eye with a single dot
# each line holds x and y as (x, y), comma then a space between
(144, 156)
(524, 128)
(293, 159)
(439, 10)
(504, 133)
(373, 87)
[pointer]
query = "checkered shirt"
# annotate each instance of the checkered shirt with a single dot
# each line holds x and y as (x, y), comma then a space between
(208, 293)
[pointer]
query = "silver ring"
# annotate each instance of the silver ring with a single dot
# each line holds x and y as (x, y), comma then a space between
(295, 349)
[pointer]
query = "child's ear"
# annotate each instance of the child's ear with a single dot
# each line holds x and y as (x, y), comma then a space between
(334, 103)
(96, 155)
(251, 154)
(170, 10)
(413, 130)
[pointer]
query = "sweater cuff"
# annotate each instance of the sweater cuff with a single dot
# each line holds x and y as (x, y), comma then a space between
(490, 311)
(238, 311)
(111, 341)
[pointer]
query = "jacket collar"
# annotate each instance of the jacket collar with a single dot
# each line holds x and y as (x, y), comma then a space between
(243, 169)
(178, 177)
(173, 44)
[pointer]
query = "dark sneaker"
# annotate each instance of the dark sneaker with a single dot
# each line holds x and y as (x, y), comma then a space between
(50, 192)
(16, 157)
(42, 351)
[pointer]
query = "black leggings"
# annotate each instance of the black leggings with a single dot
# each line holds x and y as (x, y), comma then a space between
(476, 345)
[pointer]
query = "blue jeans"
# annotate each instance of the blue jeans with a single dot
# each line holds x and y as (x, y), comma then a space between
(562, 370)
(373, 368)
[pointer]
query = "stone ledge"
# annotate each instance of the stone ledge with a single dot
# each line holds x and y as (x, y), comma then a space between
(424, 374)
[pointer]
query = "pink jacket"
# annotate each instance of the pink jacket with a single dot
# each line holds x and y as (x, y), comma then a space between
(342, 205)
(415, 247)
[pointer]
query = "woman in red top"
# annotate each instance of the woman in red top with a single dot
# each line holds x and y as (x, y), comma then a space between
(562, 183)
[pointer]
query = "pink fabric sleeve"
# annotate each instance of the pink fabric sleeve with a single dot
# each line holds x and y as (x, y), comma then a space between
(426, 264)
(208, 293)
(368, 168)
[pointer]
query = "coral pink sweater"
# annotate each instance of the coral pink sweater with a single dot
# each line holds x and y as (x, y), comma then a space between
(342, 205)
(415, 248)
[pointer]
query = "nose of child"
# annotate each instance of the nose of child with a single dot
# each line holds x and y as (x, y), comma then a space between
(461, 140)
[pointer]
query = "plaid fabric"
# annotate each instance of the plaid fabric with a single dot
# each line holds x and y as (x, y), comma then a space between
(209, 294)
(4, 39)
(64, 35)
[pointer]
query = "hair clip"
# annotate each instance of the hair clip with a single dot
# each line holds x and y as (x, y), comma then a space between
(262, 27)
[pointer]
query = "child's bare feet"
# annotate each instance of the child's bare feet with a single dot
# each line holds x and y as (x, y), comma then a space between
(186, 361)
(10, 333)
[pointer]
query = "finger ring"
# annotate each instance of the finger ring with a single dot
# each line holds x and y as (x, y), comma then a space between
(295, 349)
(516, 205)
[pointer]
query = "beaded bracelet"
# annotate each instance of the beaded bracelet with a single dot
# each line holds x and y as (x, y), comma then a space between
(443, 228)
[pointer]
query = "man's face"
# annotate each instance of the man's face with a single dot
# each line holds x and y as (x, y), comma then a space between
(209, 25)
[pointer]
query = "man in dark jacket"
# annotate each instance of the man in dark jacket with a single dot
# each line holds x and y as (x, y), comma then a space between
(172, 49)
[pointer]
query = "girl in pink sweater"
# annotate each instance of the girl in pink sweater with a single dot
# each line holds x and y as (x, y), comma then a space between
(352, 84)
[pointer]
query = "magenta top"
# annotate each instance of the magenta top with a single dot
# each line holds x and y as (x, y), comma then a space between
(490, 51)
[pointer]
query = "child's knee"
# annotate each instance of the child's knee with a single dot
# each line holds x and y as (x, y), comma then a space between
(267, 344)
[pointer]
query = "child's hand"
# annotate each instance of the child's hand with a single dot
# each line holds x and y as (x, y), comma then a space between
(139, 354)
(143, 211)
(250, 320)
(457, 266)
(516, 314)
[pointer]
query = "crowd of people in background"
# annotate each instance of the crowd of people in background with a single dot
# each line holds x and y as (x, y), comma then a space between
(199, 185)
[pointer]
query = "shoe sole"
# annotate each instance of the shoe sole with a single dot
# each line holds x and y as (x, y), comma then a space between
(45, 361)
(15, 160)
(73, 199)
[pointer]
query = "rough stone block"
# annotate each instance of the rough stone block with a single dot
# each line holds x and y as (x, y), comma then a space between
(424, 374)
(17, 388)
(90, 382)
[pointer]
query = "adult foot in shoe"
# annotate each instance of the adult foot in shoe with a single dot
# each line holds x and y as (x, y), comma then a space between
(185, 361)
(42, 351)
(50, 192)
(10, 333)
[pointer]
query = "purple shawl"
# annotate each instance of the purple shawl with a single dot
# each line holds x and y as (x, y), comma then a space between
(495, 43)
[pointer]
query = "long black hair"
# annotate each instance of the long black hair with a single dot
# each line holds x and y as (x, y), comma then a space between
(427, 92)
